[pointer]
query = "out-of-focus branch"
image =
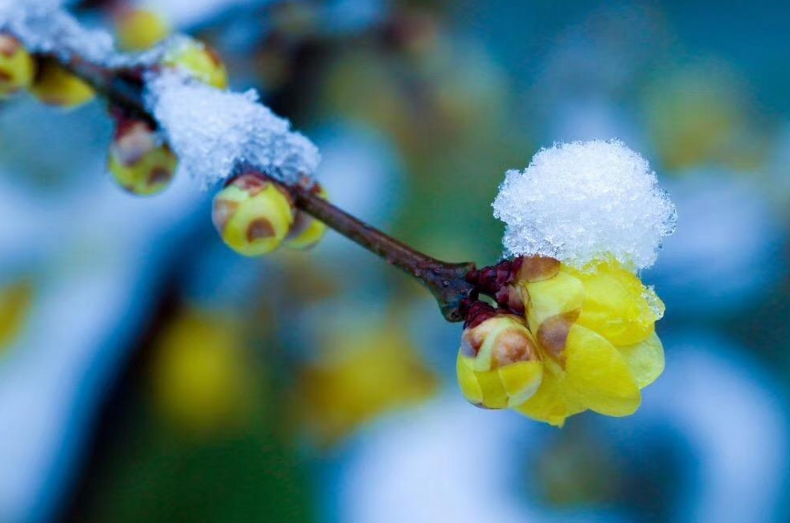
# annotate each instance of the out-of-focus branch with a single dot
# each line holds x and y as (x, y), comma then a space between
(446, 281)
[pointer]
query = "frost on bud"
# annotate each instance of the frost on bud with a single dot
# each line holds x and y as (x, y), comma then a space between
(140, 29)
(498, 363)
(200, 61)
(306, 231)
(17, 67)
(138, 160)
(253, 215)
(54, 85)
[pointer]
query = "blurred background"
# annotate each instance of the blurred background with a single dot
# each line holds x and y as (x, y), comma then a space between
(147, 373)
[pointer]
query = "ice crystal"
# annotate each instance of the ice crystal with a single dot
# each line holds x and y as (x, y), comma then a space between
(44, 26)
(214, 131)
(586, 201)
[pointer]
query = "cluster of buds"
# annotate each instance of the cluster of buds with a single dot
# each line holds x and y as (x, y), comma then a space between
(140, 161)
(255, 215)
(44, 78)
(562, 340)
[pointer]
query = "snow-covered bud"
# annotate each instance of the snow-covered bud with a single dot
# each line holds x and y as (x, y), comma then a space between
(253, 215)
(139, 161)
(17, 67)
(200, 61)
(54, 85)
(140, 29)
(306, 231)
(498, 362)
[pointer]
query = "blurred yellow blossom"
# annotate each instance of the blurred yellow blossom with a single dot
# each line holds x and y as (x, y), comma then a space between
(203, 375)
(15, 301)
(368, 368)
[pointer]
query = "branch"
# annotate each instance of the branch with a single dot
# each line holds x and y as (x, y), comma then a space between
(447, 282)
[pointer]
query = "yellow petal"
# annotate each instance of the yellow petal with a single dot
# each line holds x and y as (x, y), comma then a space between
(494, 395)
(645, 359)
(550, 403)
(616, 304)
(521, 380)
(467, 380)
(557, 295)
(597, 376)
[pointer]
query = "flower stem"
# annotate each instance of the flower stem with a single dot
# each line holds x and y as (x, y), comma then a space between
(446, 281)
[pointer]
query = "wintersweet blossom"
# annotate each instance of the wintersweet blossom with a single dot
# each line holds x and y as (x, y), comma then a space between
(575, 326)
(586, 341)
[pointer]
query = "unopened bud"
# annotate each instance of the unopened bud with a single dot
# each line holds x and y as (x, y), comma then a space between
(253, 215)
(498, 363)
(17, 67)
(139, 161)
(54, 85)
(200, 61)
(140, 29)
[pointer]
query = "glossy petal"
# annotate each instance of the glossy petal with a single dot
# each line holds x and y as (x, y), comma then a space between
(645, 360)
(597, 375)
(521, 380)
(617, 305)
(550, 403)
(560, 294)
(467, 380)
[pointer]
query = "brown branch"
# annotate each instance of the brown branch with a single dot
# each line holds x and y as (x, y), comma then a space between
(446, 281)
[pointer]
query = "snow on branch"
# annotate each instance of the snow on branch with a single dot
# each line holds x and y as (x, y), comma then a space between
(212, 131)
(586, 201)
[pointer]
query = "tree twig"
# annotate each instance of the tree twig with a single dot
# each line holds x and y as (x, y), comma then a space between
(446, 281)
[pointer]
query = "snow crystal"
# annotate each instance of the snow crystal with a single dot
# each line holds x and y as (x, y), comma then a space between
(586, 201)
(44, 27)
(214, 131)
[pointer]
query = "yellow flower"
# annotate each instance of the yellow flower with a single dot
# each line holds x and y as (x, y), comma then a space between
(594, 338)
(367, 367)
(204, 376)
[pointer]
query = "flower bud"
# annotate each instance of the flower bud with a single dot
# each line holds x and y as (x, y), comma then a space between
(253, 215)
(498, 363)
(307, 231)
(139, 161)
(140, 29)
(17, 67)
(200, 61)
(54, 85)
